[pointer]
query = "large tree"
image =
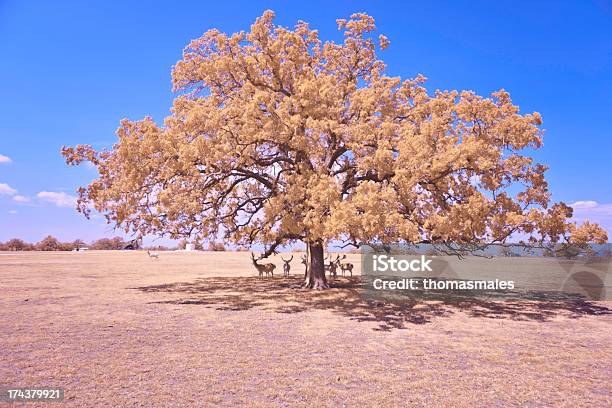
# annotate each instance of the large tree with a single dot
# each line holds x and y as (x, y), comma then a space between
(276, 137)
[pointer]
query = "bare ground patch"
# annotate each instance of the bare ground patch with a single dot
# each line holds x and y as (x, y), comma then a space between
(117, 329)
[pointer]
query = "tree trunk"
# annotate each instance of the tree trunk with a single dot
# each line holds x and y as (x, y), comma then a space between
(315, 272)
(307, 261)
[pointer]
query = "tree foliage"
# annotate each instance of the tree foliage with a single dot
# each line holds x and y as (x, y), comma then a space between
(115, 243)
(16, 244)
(49, 243)
(276, 136)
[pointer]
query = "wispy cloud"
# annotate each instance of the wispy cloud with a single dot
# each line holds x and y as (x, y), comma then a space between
(21, 199)
(5, 159)
(6, 189)
(594, 212)
(60, 199)
(12, 212)
(584, 205)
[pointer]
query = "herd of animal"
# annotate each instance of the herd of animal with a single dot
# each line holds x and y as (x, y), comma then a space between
(267, 269)
(332, 266)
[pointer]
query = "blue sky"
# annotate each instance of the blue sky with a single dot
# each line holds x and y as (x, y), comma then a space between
(70, 71)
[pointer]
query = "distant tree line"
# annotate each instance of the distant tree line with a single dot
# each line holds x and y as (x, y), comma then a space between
(50, 243)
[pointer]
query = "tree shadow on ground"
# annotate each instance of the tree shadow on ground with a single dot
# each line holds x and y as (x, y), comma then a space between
(348, 298)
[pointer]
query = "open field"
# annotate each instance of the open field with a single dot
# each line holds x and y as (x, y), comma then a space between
(200, 329)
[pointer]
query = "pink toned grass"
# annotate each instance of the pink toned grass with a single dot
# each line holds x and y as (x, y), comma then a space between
(119, 329)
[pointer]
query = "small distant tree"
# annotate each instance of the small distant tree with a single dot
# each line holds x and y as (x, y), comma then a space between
(182, 244)
(49, 243)
(102, 243)
(78, 243)
(216, 246)
(16, 244)
(276, 137)
(115, 243)
(65, 246)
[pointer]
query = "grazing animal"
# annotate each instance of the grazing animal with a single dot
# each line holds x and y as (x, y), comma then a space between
(346, 266)
(286, 266)
(332, 267)
(152, 254)
(267, 268)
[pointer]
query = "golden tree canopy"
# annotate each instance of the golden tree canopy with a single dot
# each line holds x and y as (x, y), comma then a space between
(276, 136)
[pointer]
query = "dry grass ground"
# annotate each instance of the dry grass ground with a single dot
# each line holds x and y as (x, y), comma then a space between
(119, 329)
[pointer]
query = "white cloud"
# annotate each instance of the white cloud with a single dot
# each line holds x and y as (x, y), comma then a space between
(21, 199)
(584, 205)
(594, 212)
(5, 159)
(12, 211)
(60, 199)
(6, 189)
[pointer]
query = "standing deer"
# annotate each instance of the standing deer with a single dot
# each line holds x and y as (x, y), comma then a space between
(267, 268)
(286, 266)
(332, 267)
(346, 266)
(152, 254)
